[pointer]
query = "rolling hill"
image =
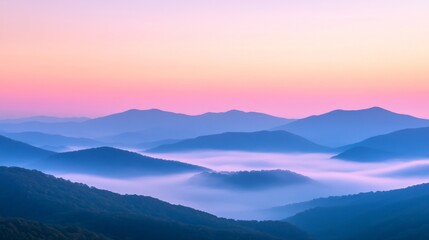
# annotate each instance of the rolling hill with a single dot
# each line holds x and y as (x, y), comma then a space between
(263, 141)
(365, 154)
(399, 214)
(46, 141)
(249, 180)
(17, 153)
(34, 196)
(112, 162)
(403, 144)
(342, 127)
(134, 127)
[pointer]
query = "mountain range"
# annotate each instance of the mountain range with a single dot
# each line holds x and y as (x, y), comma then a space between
(136, 128)
(343, 127)
(263, 141)
(139, 126)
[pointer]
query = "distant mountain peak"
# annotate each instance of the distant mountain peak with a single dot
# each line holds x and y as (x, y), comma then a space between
(365, 110)
(235, 111)
(342, 127)
(232, 111)
(151, 110)
(377, 108)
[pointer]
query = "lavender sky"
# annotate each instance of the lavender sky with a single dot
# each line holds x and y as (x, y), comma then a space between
(283, 57)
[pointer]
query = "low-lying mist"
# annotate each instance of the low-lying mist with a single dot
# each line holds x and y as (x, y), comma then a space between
(332, 177)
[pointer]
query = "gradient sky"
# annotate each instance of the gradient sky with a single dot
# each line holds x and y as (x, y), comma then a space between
(283, 57)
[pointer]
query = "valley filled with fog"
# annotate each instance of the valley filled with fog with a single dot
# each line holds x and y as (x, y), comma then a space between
(346, 174)
(330, 177)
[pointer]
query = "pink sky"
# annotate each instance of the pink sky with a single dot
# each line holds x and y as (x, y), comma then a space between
(283, 57)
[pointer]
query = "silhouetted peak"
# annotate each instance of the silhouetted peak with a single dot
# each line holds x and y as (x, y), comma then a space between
(152, 110)
(234, 111)
(377, 109)
(101, 151)
(229, 112)
(372, 109)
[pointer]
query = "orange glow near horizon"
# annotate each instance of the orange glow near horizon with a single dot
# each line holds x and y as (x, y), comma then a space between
(287, 58)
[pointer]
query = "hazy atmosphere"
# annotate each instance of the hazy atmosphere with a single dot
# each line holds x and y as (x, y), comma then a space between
(332, 177)
(287, 58)
(208, 120)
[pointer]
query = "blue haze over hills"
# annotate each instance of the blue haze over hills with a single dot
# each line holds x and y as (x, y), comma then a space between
(402, 144)
(32, 202)
(342, 127)
(152, 125)
(263, 141)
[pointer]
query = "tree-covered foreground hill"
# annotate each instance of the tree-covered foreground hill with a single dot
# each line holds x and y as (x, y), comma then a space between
(57, 205)
(20, 229)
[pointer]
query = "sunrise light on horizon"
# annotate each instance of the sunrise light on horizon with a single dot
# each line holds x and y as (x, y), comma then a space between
(286, 58)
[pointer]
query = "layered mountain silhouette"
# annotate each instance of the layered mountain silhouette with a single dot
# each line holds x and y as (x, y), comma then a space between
(182, 126)
(112, 162)
(400, 214)
(249, 180)
(263, 141)
(34, 196)
(51, 141)
(17, 153)
(403, 144)
(139, 126)
(342, 127)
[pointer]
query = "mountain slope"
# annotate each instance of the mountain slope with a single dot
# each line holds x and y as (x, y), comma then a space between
(111, 162)
(264, 141)
(249, 180)
(17, 153)
(35, 196)
(42, 140)
(365, 154)
(341, 127)
(398, 214)
(403, 144)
